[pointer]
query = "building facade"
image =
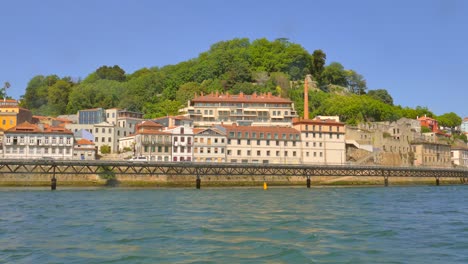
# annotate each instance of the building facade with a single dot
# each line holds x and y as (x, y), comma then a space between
(182, 143)
(91, 116)
(84, 150)
(322, 140)
(28, 141)
(153, 143)
(431, 154)
(11, 114)
(246, 110)
(459, 156)
(257, 144)
(464, 125)
(209, 145)
(430, 123)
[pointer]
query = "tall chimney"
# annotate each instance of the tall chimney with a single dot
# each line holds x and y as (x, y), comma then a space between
(306, 96)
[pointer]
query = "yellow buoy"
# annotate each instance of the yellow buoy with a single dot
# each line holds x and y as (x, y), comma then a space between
(265, 186)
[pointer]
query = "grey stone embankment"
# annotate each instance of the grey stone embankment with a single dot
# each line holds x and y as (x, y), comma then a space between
(209, 181)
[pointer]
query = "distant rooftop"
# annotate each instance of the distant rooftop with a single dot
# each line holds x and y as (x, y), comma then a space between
(240, 98)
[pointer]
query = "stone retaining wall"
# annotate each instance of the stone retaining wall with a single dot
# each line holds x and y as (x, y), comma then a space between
(188, 181)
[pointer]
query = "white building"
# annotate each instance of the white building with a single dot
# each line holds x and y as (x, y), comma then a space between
(182, 143)
(459, 156)
(323, 141)
(262, 144)
(28, 141)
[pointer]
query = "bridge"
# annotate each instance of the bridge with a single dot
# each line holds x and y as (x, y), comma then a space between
(62, 167)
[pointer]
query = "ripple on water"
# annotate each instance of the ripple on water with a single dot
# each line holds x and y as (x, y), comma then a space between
(284, 225)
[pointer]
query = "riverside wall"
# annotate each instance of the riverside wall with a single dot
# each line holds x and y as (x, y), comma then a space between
(86, 180)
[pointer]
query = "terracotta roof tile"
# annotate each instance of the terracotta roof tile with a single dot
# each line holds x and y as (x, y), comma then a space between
(84, 141)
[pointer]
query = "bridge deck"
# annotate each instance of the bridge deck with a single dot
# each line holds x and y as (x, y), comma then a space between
(57, 167)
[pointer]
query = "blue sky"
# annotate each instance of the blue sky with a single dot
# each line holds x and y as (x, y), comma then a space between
(417, 50)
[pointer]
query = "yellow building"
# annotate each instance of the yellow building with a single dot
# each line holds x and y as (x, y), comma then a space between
(12, 114)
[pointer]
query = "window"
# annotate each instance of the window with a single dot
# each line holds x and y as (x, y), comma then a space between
(103, 130)
(238, 142)
(239, 152)
(294, 153)
(96, 139)
(258, 142)
(286, 153)
(96, 130)
(277, 153)
(248, 152)
(268, 153)
(229, 152)
(277, 143)
(103, 139)
(248, 141)
(259, 153)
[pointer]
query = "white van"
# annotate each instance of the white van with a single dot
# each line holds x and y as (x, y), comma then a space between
(140, 158)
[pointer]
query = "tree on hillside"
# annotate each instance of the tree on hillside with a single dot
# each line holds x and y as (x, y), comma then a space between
(334, 74)
(3, 92)
(451, 120)
(57, 97)
(37, 93)
(187, 91)
(141, 88)
(111, 73)
(355, 82)
(381, 95)
(102, 93)
(318, 64)
(161, 107)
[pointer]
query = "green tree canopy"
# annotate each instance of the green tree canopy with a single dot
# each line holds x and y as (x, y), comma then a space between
(381, 95)
(451, 120)
(114, 73)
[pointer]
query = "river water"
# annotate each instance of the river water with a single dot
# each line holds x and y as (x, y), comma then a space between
(425, 224)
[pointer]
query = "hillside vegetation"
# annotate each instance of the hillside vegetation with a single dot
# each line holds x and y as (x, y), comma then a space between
(232, 66)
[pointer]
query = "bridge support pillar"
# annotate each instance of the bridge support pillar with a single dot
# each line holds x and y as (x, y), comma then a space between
(308, 181)
(386, 181)
(198, 181)
(437, 182)
(53, 181)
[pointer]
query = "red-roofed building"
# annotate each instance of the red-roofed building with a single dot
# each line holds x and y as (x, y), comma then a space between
(28, 141)
(262, 144)
(84, 150)
(151, 142)
(430, 123)
(241, 109)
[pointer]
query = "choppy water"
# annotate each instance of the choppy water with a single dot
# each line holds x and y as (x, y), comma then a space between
(235, 225)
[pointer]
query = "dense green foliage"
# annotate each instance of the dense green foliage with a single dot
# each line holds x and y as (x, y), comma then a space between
(233, 66)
